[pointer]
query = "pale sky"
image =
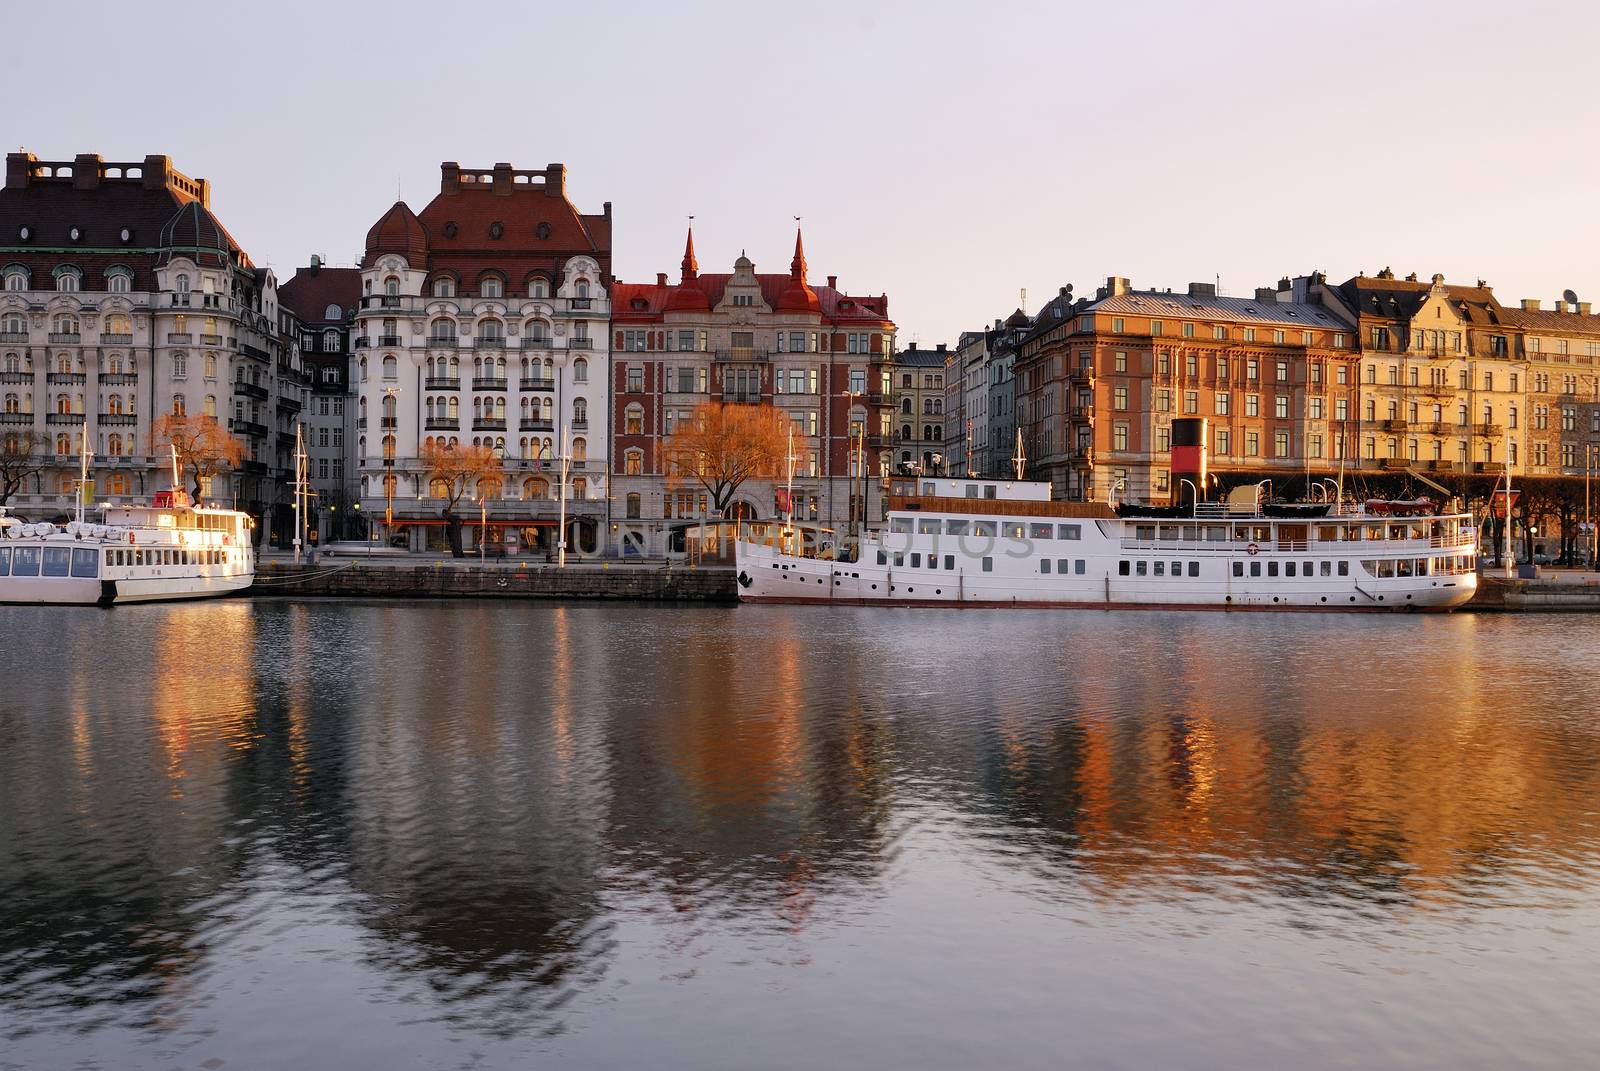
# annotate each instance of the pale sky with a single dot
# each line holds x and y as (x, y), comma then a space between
(949, 155)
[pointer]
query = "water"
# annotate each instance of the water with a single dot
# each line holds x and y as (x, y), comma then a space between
(275, 834)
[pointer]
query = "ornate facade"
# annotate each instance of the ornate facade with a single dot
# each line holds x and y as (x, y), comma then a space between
(820, 355)
(483, 320)
(121, 298)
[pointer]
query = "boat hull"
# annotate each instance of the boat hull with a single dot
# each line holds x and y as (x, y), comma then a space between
(88, 591)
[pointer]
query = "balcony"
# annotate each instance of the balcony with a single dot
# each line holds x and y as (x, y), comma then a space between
(363, 343)
(119, 379)
(536, 425)
(441, 423)
(741, 356)
(734, 397)
(13, 336)
(16, 418)
(488, 383)
(538, 342)
(388, 340)
(1395, 463)
(179, 301)
(63, 418)
(382, 301)
(65, 379)
(488, 424)
(489, 342)
(530, 383)
(1081, 413)
(179, 338)
(1395, 425)
(16, 377)
(67, 337)
(117, 420)
(293, 405)
(442, 383)
(1081, 377)
(582, 303)
(1488, 467)
(1442, 466)
(1488, 431)
(577, 343)
(107, 339)
(210, 340)
(1436, 428)
(440, 342)
(249, 427)
(389, 422)
(580, 424)
(250, 390)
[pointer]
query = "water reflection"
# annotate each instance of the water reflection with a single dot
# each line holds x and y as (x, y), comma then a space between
(474, 806)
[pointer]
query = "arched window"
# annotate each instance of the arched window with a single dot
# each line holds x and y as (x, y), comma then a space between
(179, 407)
(210, 406)
(453, 407)
(538, 332)
(583, 288)
(181, 284)
(114, 405)
(488, 486)
(13, 403)
(391, 286)
(363, 369)
(490, 286)
(117, 483)
(535, 487)
(117, 326)
(117, 283)
(388, 407)
(905, 405)
(633, 505)
(580, 487)
(938, 433)
(442, 331)
(580, 449)
(580, 412)
(211, 366)
(67, 281)
(546, 410)
(64, 324)
(12, 323)
(391, 367)
(63, 364)
(444, 286)
(491, 331)
(16, 279)
(438, 487)
(63, 443)
(330, 341)
(580, 371)
(633, 420)
(538, 288)
(63, 403)
(905, 432)
(114, 444)
(180, 366)
(633, 465)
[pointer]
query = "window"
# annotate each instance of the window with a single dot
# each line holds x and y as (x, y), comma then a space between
(1222, 402)
(633, 420)
(580, 371)
(180, 366)
(633, 465)
(1119, 436)
(1119, 361)
(391, 367)
(635, 377)
(1119, 398)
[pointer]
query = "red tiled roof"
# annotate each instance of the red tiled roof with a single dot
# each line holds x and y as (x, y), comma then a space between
(312, 290)
(398, 231)
(832, 305)
(1550, 322)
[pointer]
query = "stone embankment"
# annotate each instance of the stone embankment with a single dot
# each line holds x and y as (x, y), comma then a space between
(452, 579)
(1568, 592)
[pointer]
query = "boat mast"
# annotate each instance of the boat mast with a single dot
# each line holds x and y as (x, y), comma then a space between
(83, 472)
(1021, 459)
(566, 464)
(1510, 565)
(299, 488)
(788, 493)
(177, 480)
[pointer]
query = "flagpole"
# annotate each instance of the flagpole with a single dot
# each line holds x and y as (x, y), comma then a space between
(566, 462)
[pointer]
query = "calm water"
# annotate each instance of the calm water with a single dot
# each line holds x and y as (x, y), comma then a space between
(511, 835)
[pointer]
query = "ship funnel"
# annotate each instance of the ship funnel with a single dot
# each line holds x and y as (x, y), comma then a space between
(1189, 459)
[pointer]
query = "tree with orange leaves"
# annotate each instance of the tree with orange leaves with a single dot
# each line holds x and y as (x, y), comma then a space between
(205, 448)
(724, 444)
(452, 469)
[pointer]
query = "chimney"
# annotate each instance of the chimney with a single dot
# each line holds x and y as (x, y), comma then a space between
(661, 278)
(18, 169)
(941, 347)
(1583, 308)
(1116, 284)
(833, 282)
(502, 180)
(156, 171)
(1530, 304)
(86, 171)
(997, 325)
(449, 178)
(555, 180)
(1284, 284)
(1266, 293)
(1203, 290)
(1561, 303)
(316, 264)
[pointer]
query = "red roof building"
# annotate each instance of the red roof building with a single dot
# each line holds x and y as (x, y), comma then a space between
(745, 337)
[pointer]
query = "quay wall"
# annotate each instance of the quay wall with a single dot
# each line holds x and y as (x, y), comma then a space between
(437, 579)
(1498, 594)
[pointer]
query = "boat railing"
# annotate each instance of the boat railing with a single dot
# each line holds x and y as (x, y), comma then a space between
(1304, 546)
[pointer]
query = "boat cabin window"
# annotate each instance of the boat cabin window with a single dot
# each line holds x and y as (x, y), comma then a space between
(1140, 568)
(983, 528)
(1044, 565)
(1344, 568)
(1016, 531)
(989, 491)
(949, 561)
(25, 562)
(1238, 568)
(916, 561)
(1177, 568)
(1288, 568)
(1169, 532)
(1069, 531)
(1078, 566)
(1272, 568)
(883, 558)
(1194, 568)
(85, 561)
(1160, 569)
(1255, 568)
(900, 525)
(1122, 568)
(954, 527)
(988, 565)
(1327, 568)
(1039, 531)
(5, 561)
(927, 526)
(57, 560)
(1144, 531)
(1216, 533)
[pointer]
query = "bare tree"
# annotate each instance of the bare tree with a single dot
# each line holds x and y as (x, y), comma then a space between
(22, 455)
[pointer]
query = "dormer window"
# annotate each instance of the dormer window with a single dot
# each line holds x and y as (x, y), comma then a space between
(490, 287)
(538, 288)
(444, 287)
(391, 287)
(67, 279)
(583, 288)
(76, 234)
(25, 233)
(16, 279)
(126, 235)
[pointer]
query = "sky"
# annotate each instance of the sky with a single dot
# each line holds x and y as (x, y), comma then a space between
(949, 155)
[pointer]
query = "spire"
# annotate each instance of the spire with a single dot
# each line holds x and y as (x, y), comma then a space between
(691, 267)
(797, 266)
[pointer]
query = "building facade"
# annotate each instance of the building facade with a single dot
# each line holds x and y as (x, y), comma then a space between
(821, 356)
(122, 298)
(483, 319)
(964, 372)
(1100, 381)
(919, 397)
(324, 302)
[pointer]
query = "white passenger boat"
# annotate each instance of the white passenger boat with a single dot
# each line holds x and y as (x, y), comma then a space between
(973, 542)
(170, 549)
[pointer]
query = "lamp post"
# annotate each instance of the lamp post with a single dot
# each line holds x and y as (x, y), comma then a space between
(388, 426)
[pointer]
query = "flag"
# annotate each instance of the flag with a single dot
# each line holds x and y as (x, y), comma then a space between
(86, 492)
(782, 496)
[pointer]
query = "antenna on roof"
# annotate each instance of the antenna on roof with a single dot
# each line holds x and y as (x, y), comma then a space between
(1023, 297)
